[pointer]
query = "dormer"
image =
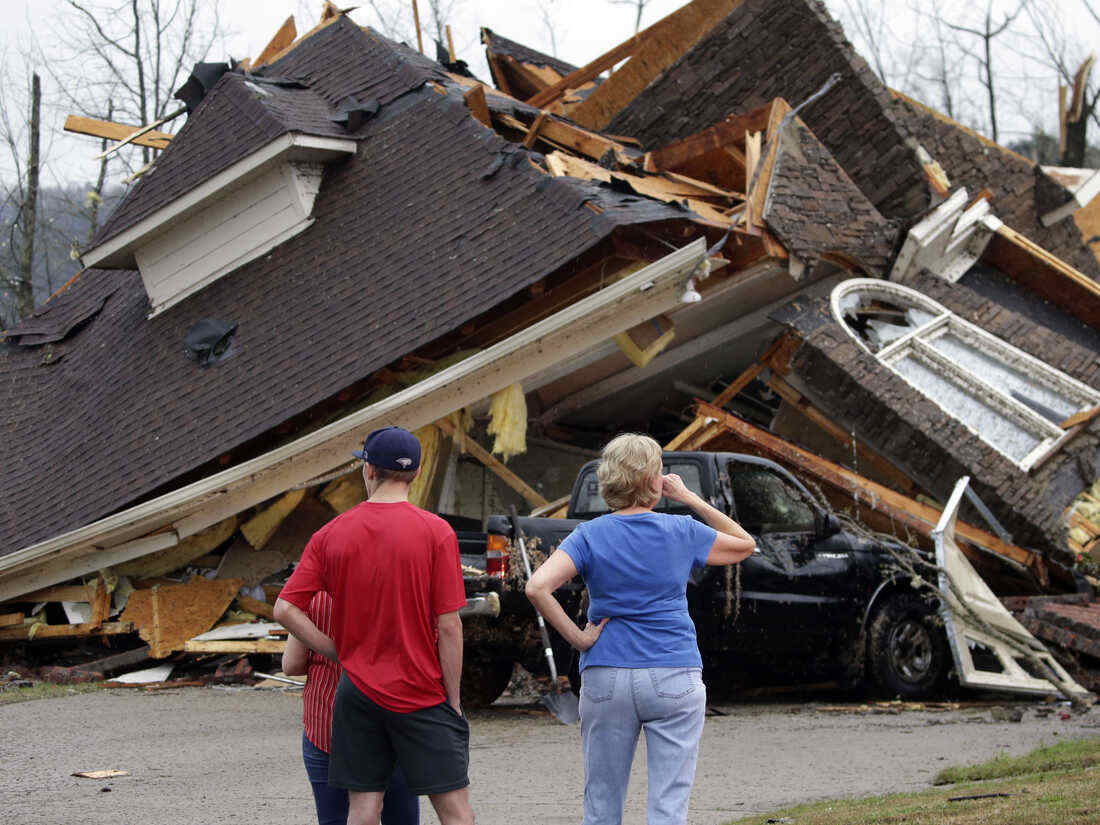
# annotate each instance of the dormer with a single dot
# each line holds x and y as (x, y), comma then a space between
(238, 180)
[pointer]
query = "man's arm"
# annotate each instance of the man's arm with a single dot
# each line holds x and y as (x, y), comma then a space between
(295, 657)
(295, 620)
(450, 656)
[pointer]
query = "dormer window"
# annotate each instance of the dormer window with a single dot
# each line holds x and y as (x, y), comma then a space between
(1011, 400)
(234, 217)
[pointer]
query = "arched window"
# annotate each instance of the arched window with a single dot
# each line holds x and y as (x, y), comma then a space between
(1011, 400)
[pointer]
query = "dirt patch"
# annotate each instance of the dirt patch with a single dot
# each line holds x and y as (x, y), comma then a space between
(203, 756)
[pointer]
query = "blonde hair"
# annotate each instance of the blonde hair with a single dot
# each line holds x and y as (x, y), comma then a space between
(625, 473)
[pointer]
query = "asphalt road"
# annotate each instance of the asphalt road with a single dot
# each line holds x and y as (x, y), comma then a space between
(202, 756)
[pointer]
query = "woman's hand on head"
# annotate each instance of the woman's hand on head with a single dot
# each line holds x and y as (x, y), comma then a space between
(590, 634)
(674, 489)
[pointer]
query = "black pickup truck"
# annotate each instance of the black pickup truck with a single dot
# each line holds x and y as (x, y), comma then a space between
(815, 602)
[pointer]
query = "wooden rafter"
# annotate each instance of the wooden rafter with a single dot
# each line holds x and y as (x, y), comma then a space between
(286, 35)
(491, 462)
(115, 131)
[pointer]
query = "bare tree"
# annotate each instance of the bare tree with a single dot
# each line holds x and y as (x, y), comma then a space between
(988, 32)
(941, 59)
(639, 8)
(19, 207)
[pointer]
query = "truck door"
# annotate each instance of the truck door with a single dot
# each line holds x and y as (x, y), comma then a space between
(780, 616)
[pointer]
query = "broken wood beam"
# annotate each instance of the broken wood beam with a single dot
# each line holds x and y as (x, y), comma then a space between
(587, 72)
(533, 132)
(236, 646)
(416, 22)
(60, 593)
(283, 37)
(902, 509)
(116, 131)
(686, 434)
(98, 670)
(450, 44)
(529, 493)
(476, 103)
(63, 631)
(256, 606)
(803, 405)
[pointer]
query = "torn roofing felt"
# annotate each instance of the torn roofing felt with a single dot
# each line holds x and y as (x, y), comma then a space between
(411, 239)
(497, 45)
(815, 209)
(1022, 191)
(785, 48)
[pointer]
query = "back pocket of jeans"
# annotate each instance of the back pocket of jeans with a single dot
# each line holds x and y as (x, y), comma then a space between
(598, 683)
(674, 684)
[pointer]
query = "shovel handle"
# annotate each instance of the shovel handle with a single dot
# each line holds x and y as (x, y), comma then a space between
(542, 623)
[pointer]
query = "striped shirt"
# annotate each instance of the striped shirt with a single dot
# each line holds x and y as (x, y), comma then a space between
(323, 675)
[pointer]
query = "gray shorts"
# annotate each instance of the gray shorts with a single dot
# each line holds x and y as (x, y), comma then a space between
(432, 745)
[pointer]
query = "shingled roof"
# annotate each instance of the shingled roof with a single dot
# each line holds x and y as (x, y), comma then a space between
(496, 44)
(786, 48)
(434, 221)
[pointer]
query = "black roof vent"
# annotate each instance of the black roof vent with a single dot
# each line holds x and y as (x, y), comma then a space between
(209, 341)
(202, 80)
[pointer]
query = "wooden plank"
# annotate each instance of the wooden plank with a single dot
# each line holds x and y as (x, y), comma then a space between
(283, 52)
(282, 39)
(904, 510)
(530, 494)
(476, 103)
(1082, 417)
(101, 604)
(115, 131)
(11, 619)
(752, 160)
(739, 383)
(256, 606)
(705, 187)
(588, 72)
(236, 646)
(64, 631)
(759, 194)
(803, 405)
(450, 44)
(533, 132)
(416, 22)
(728, 134)
(61, 593)
(686, 433)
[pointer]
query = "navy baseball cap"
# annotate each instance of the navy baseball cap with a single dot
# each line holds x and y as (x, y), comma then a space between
(393, 448)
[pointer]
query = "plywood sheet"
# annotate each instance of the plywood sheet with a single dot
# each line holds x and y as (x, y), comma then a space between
(182, 611)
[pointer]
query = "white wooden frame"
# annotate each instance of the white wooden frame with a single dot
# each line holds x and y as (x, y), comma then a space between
(916, 344)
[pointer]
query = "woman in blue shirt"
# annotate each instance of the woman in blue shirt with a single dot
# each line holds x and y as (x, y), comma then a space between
(640, 660)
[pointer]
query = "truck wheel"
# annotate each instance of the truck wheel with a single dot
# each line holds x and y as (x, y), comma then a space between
(484, 678)
(907, 649)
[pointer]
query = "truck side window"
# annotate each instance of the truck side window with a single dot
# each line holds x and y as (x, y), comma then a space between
(767, 503)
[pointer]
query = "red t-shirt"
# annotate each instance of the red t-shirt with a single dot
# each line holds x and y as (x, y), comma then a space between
(391, 569)
(322, 677)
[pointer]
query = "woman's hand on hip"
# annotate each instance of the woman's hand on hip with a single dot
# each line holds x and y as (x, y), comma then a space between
(590, 634)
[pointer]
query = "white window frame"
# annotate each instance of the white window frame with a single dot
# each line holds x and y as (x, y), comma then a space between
(916, 344)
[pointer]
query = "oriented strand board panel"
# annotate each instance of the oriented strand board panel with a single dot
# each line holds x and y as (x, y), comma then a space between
(665, 42)
(183, 611)
(191, 548)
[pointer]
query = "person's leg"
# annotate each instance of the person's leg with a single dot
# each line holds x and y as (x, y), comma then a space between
(332, 803)
(673, 703)
(400, 806)
(609, 735)
(364, 807)
(453, 807)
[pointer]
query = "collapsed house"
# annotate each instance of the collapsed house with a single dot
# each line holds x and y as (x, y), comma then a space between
(347, 234)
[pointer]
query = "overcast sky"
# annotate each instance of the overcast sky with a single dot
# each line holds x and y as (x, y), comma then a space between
(583, 29)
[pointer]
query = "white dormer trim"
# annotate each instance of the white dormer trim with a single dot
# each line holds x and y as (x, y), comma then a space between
(238, 215)
(1087, 188)
(949, 240)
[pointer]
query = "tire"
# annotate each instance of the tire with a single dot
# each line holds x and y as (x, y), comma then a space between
(484, 677)
(907, 648)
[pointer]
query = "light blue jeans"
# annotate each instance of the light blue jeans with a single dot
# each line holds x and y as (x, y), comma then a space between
(616, 703)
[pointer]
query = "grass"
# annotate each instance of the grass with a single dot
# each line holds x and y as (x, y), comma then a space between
(1050, 786)
(44, 690)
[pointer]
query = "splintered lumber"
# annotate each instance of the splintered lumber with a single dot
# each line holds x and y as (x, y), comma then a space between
(345, 492)
(479, 108)
(588, 72)
(262, 609)
(651, 52)
(533, 132)
(61, 593)
(236, 646)
(168, 615)
(902, 510)
(174, 558)
(685, 434)
(281, 550)
(559, 132)
(529, 493)
(63, 631)
(115, 131)
(142, 130)
(1082, 417)
(416, 22)
(670, 191)
(283, 38)
(262, 526)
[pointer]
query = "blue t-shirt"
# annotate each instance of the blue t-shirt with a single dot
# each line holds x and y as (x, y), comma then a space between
(636, 568)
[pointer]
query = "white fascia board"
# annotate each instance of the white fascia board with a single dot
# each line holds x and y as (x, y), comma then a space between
(118, 251)
(615, 308)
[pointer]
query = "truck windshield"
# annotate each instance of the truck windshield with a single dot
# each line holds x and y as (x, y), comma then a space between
(589, 502)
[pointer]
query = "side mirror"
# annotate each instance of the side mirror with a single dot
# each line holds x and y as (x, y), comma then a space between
(830, 525)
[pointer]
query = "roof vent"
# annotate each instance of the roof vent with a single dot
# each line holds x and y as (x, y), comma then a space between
(202, 80)
(209, 341)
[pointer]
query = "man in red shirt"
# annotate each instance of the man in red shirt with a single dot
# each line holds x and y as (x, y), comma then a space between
(395, 576)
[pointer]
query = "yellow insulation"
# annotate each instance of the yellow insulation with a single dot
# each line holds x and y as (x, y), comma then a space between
(429, 438)
(508, 421)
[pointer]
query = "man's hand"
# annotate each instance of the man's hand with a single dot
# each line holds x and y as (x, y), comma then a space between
(673, 488)
(590, 634)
